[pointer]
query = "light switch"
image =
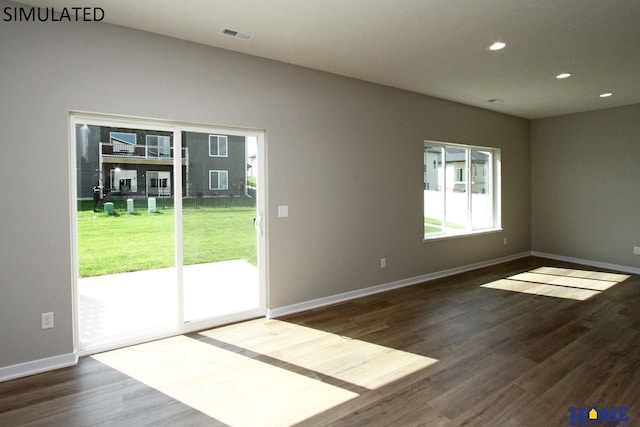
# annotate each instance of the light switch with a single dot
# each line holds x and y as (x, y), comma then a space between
(283, 211)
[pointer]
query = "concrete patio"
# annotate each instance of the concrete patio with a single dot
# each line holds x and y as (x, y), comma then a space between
(123, 304)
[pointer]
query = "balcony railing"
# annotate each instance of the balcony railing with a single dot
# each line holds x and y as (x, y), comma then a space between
(139, 151)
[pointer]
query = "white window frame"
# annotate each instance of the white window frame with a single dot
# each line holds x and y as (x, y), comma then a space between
(493, 171)
(219, 173)
(218, 141)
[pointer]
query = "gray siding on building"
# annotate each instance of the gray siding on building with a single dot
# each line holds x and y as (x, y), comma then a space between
(195, 182)
(201, 162)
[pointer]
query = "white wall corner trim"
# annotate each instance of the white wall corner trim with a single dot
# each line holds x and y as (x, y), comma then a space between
(38, 366)
(616, 267)
(347, 296)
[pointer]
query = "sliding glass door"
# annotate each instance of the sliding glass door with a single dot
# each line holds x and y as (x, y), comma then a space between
(218, 235)
(165, 239)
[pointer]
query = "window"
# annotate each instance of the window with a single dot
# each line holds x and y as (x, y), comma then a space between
(158, 183)
(124, 181)
(123, 142)
(217, 145)
(218, 180)
(461, 189)
(158, 146)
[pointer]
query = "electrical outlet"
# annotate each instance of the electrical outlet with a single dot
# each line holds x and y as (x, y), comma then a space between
(505, 241)
(383, 263)
(47, 320)
(636, 250)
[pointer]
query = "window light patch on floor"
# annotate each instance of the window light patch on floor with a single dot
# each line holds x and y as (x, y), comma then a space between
(264, 372)
(559, 282)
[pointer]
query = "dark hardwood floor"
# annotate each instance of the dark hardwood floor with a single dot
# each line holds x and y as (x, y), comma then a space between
(452, 352)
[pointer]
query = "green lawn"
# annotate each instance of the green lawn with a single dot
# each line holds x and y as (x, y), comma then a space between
(432, 225)
(142, 241)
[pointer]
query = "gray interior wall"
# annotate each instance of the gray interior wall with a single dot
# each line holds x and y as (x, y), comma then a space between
(344, 155)
(586, 185)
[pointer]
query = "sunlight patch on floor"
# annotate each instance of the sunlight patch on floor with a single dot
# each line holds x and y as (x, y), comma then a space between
(263, 372)
(357, 362)
(559, 282)
(224, 385)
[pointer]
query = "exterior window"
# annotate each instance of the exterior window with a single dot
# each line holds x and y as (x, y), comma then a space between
(123, 142)
(124, 181)
(158, 146)
(218, 145)
(218, 180)
(461, 189)
(158, 183)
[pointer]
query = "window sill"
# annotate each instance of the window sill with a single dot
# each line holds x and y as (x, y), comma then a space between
(445, 236)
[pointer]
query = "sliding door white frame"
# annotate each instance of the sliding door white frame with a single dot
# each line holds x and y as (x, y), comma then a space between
(180, 326)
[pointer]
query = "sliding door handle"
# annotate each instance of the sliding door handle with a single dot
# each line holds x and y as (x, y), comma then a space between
(257, 223)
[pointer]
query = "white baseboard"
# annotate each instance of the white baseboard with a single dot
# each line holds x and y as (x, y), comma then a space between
(334, 299)
(617, 267)
(70, 359)
(37, 366)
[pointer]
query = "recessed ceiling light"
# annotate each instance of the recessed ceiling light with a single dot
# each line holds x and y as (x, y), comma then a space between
(563, 75)
(494, 100)
(605, 95)
(497, 46)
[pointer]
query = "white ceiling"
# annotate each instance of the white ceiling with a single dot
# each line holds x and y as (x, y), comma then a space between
(433, 47)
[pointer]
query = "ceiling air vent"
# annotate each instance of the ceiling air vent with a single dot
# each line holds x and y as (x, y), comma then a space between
(237, 34)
